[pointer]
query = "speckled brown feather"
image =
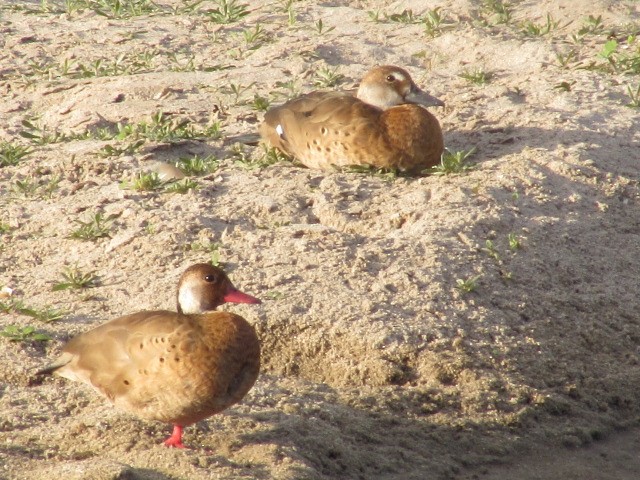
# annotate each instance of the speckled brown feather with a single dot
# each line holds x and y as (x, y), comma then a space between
(166, 366)
(326, 129)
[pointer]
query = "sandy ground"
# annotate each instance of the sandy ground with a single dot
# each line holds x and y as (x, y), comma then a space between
(375, 364)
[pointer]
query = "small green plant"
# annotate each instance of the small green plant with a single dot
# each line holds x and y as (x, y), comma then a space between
(212, 248)
(289, 87)
(435, 23)
(122, 9)
(228, 11)
(274, 295)
(634, 96)
(406, 16)
(514, 242)
(498, 10)
(23, 334)
(320, 28)
(592, 26)
(46, 314)
(40, 135)
(269, 157)
(130, 148)
(73, 278)
(374, 15)
(565, 59)
(625, 59)
(11, 154)
(327, 77)
(26, 188)
(468, 285)
(97, 226)
(183, 186)
(4, 227)
(259, 103)
(236, 90)
(530, 29)
(255, 37)
(477, 76)
(145, 182)
(491, 250)
(196, 165)
(452, 163)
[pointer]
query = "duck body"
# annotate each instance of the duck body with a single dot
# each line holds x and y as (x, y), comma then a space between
(167, 366)
(173, 367)
(385, 125)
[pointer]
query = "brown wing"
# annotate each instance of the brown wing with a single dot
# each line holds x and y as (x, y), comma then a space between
(324, 129)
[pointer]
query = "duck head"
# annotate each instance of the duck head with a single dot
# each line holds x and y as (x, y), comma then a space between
(389, 86)
(203, 287)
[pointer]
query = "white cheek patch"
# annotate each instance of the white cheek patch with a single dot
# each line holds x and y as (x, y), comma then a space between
(189, 302)
(280, 131)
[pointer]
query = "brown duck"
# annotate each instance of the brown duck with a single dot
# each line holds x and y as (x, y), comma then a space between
(385, 125)
(178, 368)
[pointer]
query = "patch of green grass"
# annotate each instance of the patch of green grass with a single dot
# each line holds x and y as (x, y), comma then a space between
(228, 11)
(406, 16)
(4, 227)
(45, 314)
(274, 295)
(435, 23)
(31, 188)
(212, 248)
(478, 76)
(326, 77)
(197, 166)
(243, 159)
(255, 37)
(236, 90)
(130, 148)
(182, 186)
(40, 135)
(530, 29)
(97, 226)
(259, 103)
(73, 278)
(15, 333)
(467, 285)
(591, 26)
(565, 59)
(619, 57)
(163, 128)
(452, 163)
(11, 154)
(290, 90)
(496, 12)
(122, 9)
(144, 182)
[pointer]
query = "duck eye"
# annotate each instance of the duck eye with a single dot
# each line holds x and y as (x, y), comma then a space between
(391, 78)
(210, 278)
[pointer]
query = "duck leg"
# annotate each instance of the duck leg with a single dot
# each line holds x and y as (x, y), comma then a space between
(175, 440)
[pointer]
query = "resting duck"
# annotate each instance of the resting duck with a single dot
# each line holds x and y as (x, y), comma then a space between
(178, 368)
(385, 125)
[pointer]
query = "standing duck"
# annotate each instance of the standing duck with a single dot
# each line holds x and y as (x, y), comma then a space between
(178, 368)
(385, 125)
